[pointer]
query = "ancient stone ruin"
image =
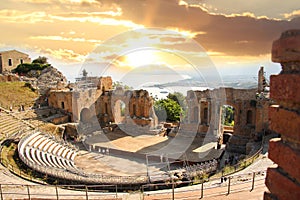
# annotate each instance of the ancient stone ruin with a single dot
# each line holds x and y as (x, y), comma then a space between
(94, 101)
(250, 113)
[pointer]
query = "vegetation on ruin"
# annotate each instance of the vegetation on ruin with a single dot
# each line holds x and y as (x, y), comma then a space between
(117, 84)
(34, 68)
(10, 159)
(16, 94)
(228, 115)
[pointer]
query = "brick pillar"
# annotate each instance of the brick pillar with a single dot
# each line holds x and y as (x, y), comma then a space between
(284, 181)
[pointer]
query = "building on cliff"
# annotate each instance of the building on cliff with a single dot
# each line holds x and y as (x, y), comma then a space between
(9, 60)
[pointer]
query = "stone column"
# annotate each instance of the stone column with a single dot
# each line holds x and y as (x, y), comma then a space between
(283, 182)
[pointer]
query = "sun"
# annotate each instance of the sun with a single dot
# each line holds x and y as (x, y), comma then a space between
(141, 57)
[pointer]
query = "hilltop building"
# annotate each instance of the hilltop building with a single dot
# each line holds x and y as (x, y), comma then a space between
(9, 60)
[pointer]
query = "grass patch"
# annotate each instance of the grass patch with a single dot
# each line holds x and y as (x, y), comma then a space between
(10, 159)
(8, 154)
(16, 94)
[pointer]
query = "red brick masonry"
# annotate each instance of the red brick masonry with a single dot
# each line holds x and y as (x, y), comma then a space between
(283, 182)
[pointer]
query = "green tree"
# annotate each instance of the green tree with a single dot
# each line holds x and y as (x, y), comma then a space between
(26, 67)
(84, 73)
(120, 84)
(179, 98)
(227, 115)
(41, 60)
(167, 110)
(36, 65)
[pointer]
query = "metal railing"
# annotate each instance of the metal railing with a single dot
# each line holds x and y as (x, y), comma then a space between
(19, 191)
(215, 187)
(242, 164)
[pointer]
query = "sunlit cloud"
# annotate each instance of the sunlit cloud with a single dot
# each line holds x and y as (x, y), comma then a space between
(65, 55)
(292, 14)
(98, 20)
(182, 3)
(244, 14)
(187, 33)
(60, 1)
(214, 53)
(15, 16)
(113, 13)
(267, 9)
(69, 39)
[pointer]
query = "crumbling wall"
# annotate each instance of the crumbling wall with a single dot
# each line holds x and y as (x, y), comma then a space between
(204, 109)
(283, 181)
(137, 107)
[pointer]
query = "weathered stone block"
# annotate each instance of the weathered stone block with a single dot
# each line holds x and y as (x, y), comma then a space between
(286, 157)
(285, 87)
(285, 122)
(281, 186)
(287, 47)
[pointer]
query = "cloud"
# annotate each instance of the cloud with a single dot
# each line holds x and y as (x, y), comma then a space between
(244, 29)
(295, 13)
(64, 54)
(16, 16)
(271, 9)
(223, 32)
(69, 39)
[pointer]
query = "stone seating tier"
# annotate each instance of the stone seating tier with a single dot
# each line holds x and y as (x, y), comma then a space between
(44, 151)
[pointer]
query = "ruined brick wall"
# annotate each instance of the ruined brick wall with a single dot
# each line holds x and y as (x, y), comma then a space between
(105, 83)
(61, 99)
(138, 107)
(77, 100)
(283, 182)
(245, 107)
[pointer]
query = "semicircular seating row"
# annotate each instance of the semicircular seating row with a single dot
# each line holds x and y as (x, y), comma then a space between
(40, 149)
(43, 153)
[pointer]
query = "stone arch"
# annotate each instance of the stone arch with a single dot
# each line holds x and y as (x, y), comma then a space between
(119, 111)
(85, 115)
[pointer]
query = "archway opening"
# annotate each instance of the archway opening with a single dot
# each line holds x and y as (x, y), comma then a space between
(227, 122)
(119, 111)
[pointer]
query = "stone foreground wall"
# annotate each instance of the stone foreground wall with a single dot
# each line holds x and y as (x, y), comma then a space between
(284, 181)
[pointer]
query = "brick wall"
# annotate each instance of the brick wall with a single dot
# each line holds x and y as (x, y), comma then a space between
(283, 182)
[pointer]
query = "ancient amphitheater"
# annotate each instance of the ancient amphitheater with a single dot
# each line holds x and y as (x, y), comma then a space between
(109, 163)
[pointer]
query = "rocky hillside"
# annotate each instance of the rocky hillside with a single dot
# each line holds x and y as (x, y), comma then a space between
(51, 78)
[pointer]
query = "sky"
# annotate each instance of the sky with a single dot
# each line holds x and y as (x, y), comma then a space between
(172, 39)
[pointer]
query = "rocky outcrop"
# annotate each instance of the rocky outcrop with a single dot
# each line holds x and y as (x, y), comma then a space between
(51, 78)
